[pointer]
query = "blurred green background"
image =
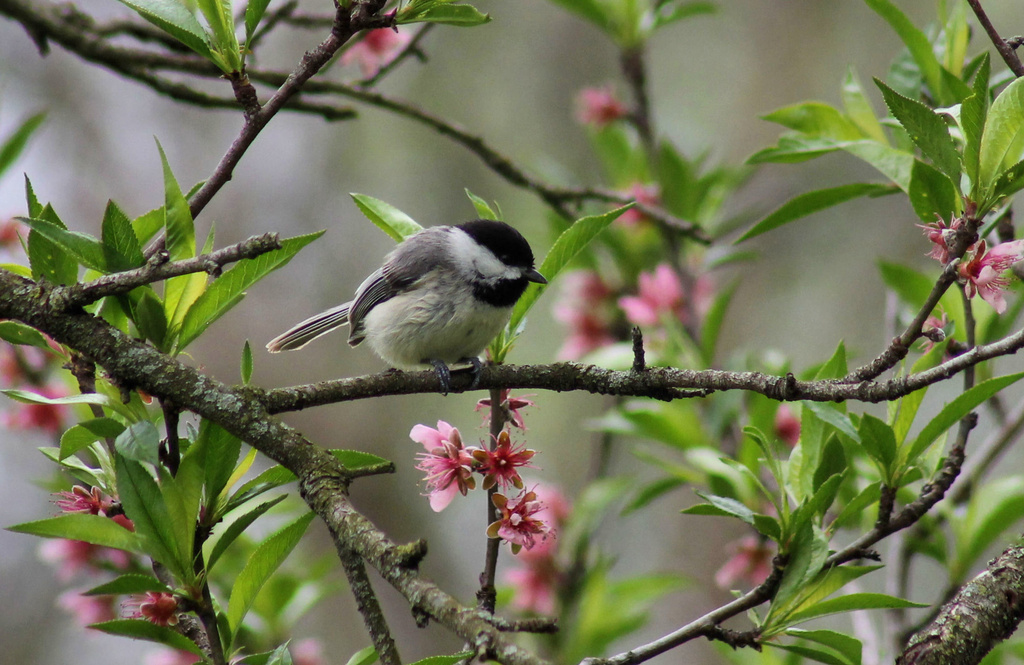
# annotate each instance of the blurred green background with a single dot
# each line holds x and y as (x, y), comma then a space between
(513, 81)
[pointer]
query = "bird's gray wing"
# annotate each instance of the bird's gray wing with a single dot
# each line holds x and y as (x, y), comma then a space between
(374, 290)
(305, 332)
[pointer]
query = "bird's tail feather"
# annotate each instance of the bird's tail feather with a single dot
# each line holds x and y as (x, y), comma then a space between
(305, 332)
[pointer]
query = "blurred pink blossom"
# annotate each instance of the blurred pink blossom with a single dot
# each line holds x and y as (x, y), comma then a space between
(583, 307)
(171, 657)
(48, 418)
(87, 609)
(787, 425)
(309, 651)
(72, 556)
(750, 562)
(646, 194)
(375, 49)
(660, 294)
(533, 586)
(599, 106)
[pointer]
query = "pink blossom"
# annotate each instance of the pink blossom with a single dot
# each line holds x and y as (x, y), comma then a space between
(518, 524)
(751, 562)
(500, 465)
(511, 406)
(448, 465)
(82, 500)
(159, 607)
(375, 49)
(309, 651)
(599, 107)
(583, 307)
(9, 232)
(72, 556)
(940, 235)
(660, 295)
(554, 514)
(648, 195)
(48, 418)
(87, 609)
(981, 270)
(533, 586)
(787, 425)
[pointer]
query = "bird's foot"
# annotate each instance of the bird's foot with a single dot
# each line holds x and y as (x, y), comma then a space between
(444, 375)
(477, 368)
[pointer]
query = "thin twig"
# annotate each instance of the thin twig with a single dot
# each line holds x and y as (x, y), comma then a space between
(368, 605)
(1005, 50)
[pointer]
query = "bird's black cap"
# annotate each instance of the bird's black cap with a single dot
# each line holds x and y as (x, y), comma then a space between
(504, 241)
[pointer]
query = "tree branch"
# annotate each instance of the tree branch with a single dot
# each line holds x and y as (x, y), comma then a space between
(1005, 50)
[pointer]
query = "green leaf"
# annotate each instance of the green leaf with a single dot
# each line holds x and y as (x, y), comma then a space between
(931, 193)
(811, 202)
(792, 148)
(995, 506)
(140, 442)
(48, 259)
(222, 450)
(849, 647)
(246, 363)
(179, 292)
(810, 653)
(670, 12)
(859, 110)
(817, 120)
(721, 505)
(222, 538)
(121, 249)
(81, 247)
(807, 552)
(140, 629)
(429, 660)
(926, 129)
(18, 333)
(571, 242)
(89, 398)
(856, 507)
(254, 11)
(973, 114)
(853, 602)
(482, 208)
(833, 463)
(837, 419)
(86, 433)
(919, 46)
(368, 656)
(228, 289)
(1002, 137)
(218, 16)
(879, 442)
(447, 14)
(713, 322)
(93, 529)
(176, 20)
(148, 316)
(132, 583)
(269, 555)
(387, 217)
(953, 412)
(145, 506)
(15, 144)
(894, 164)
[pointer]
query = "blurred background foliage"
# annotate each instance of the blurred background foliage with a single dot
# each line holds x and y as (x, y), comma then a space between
(515, 82)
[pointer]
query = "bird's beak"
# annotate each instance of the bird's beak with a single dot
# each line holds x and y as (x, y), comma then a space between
(534, 276)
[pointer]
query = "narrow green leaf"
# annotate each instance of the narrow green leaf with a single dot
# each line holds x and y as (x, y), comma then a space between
(571, 242)
(48, 259)
(849, 647)
(723, 506)
(712, 325)
(387, 217)
(926, 129)
(879, 441)
(931, 193)
(447, 14)
(855, 509)
(246, 363)
(86, 433)
(18, 333)
(837, 419)
(811, 202)
(482, 208)
(94, 529)
(816, 120)
(670, 12)
(228, 289)
(148, 316)
(131, 583)
(83, 248)
(179, 292)
(919, 46)
(954, 411)
(218, 16)
(145, 506)
(269, 555)
(15, 144)
(995, 506)
(368, 656)
(89, 398)
(973, 114)
(222, 450)
(592, 10)
(432, 660)
(852, 602)
(1002, 137)
(809, 653)
(793, 148)
(254, 11)
(141, 629)
(893, 163)
(140, 442)
(176, 20)
(223, 537)
(807, 552)
(121, 247)
(833, 463)
(859, 110)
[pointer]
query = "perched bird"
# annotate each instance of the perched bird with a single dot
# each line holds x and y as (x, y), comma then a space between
(441, 296)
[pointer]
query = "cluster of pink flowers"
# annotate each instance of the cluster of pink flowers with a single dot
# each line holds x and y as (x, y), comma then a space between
(750, 562)
(647, 194)
(981, 269)
(661, 296)
(451, 468)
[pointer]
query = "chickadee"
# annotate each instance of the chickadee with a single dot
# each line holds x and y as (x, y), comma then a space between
(441, 296)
